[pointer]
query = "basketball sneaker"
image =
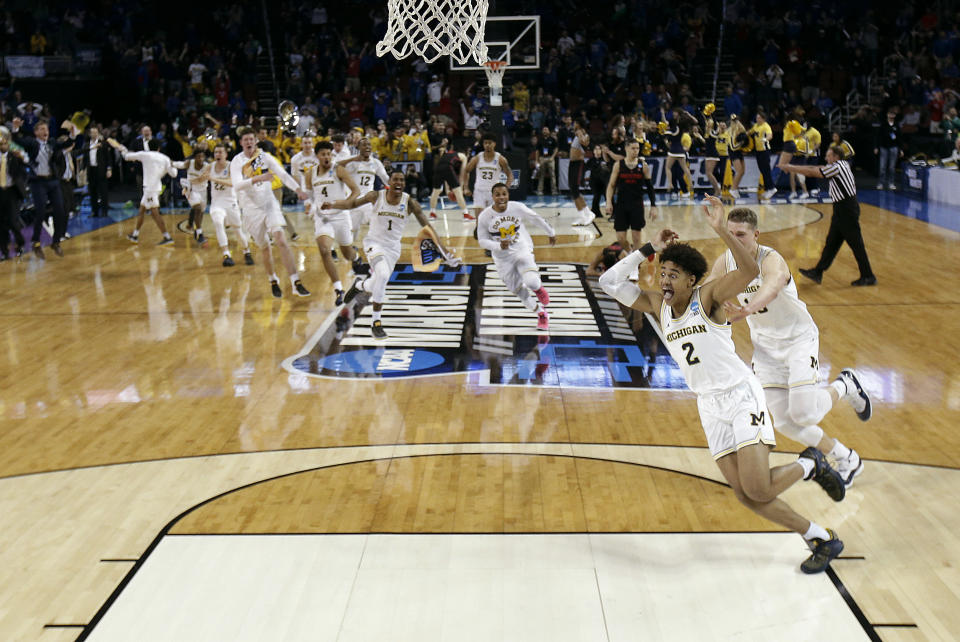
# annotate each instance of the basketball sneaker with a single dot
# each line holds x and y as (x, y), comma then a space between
(339, 299)
(467, 216)
(201, 240)
(133, 239)
(228, 261)
(359, 267)
(433, 215)
(543, 321)
(829, 479)
(299, 290)
(248, 258)
(824, 552)
(275, 288)
(543, 296)
(333, 254)
(850, 467)
(354, 290)
(769, 194)
(166, 241)
(734, 194)
(856, 395)
(377, 330)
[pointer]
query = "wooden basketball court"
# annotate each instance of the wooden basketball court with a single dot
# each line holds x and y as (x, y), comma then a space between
(148, 422)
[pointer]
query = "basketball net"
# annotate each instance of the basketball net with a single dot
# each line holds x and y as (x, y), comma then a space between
(435, 28)
(494, 70)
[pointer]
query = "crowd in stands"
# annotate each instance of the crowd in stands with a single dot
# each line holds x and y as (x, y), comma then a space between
(610, 63)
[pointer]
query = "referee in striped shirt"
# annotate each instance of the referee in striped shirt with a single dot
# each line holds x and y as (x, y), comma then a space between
(845, 224)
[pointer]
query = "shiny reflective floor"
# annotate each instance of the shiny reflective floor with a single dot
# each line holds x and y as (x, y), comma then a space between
(138, 382)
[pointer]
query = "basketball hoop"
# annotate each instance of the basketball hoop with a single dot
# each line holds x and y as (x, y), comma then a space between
(435, 28)
(494, 70)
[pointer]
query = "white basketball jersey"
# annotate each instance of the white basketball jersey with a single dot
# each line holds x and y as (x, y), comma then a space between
(364, 173)
(786, 317)
(703, 350)
(488, 172)
(299, 165)
(222, 195)
(327, 187)
(386, 225)
(509, 225)
(200, 187)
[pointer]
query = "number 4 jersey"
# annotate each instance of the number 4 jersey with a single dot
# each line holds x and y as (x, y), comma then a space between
(702, 348)
(327, 188)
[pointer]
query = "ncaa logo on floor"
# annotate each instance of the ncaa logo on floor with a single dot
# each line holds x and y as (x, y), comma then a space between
(464, 319)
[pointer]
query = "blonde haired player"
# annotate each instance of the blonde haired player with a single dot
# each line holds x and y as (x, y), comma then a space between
(391, 207)
(304, 160)
(729, 396)
(786, 348)
(155, 165)
(327, 183)
(252, 172)
(224, 209)
(488, 163)
(501, 228)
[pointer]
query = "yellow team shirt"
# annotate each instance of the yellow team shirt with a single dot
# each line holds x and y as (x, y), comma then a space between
(813, 140)
(419, 144)
(722, 142)
(759, 134)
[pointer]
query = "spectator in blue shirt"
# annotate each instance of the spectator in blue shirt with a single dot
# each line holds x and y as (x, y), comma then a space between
(732, 104)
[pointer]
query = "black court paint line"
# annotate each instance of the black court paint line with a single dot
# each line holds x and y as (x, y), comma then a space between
(851, 557)
(435, 443)
(853, 606)
(119, 559)
(166, 529)
(64, 626)
(897, 625)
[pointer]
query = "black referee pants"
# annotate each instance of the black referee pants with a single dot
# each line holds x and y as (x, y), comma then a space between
(845, 226)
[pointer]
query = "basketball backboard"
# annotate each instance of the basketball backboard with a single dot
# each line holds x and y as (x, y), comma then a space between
(514, 39)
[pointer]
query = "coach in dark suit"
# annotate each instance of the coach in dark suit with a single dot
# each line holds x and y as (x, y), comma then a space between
(13, 189)
(97, 157)
(145, 142)
(47, 164)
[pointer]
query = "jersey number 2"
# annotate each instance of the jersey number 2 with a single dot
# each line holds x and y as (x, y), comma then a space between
(691, 360)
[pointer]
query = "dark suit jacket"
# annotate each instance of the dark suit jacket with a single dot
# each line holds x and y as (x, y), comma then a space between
(137, 145)
(104, 157)
(31, 145)
(17, 173)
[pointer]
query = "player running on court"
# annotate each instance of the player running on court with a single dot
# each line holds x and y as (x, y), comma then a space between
(786, 348)
(488, 163)
(224, 209)
(329, 183)
(391, 206)
(729, 396)
(502, 229)
(155, 165)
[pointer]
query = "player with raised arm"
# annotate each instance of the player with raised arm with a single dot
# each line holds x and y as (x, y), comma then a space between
(155, 165)
(252, 171)
(224, 209)
(786, 347)
(391, 206)
(729, 396)
(502, 229)
(328, 183)
(488, 163)
(364, 169)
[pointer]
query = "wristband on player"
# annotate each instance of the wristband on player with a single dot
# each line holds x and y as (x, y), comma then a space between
(648, 251)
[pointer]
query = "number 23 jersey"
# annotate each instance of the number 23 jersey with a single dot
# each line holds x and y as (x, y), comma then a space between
(702, 348)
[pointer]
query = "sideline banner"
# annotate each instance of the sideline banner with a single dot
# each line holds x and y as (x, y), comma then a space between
(25, 66)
